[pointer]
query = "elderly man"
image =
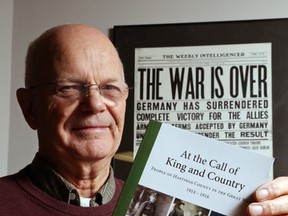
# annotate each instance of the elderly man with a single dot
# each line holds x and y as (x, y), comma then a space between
(75, 98)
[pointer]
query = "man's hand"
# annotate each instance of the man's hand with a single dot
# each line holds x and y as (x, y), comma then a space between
(272, 198)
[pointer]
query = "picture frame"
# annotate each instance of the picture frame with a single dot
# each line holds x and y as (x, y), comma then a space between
(127, 38)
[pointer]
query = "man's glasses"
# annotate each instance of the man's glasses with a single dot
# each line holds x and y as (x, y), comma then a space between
(74, 90)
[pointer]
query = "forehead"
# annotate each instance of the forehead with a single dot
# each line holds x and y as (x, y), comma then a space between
(87, 61)
(72, 51)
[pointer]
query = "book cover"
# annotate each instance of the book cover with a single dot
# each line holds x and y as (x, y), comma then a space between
(179, 172)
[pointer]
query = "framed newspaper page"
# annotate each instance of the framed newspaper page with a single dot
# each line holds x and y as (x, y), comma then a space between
(224, 80)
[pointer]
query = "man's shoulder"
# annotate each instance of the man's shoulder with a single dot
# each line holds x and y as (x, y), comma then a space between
(119, 186)
(119, 183)
(11, 182)
(6, 180)
(10, 189)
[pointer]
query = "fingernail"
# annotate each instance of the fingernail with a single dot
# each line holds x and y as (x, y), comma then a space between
(262, 194)
(255, 210)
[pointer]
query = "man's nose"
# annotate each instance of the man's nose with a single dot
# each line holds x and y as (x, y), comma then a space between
(93, 100)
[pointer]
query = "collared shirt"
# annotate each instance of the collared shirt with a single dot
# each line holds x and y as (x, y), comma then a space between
(56, 186)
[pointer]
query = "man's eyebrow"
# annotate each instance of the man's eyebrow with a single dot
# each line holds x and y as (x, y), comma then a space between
(68, 80)
(110, 80)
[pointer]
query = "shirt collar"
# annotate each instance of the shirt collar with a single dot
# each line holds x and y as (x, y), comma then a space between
(56, 186)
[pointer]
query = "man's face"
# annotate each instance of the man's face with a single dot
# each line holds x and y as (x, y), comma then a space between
(88, 128)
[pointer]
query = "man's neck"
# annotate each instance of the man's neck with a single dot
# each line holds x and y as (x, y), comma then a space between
(62, 188)
(87, 185)
(86, 177)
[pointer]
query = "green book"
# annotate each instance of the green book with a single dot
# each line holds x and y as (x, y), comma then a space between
(137, 168)
(178, 171)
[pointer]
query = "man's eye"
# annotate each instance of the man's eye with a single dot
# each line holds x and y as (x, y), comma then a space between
(66, 88)
(108, 87)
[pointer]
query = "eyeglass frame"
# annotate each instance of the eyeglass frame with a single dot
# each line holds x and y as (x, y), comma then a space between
(84, 89)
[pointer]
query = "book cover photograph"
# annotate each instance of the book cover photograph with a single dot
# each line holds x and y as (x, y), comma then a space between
(177, 172)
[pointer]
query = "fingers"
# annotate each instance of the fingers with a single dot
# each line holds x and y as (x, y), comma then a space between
(272, 189)
(272, 198)
(278, 206)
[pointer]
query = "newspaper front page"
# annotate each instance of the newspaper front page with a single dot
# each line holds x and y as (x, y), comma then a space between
(223, 92)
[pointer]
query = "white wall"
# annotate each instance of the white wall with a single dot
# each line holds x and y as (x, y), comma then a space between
(31, 17)
(6, 16)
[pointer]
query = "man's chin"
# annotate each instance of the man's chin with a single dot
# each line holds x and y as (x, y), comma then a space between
(95, 147)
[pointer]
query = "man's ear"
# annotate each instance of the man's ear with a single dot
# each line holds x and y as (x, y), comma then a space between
(25, 98)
